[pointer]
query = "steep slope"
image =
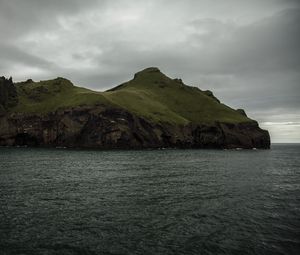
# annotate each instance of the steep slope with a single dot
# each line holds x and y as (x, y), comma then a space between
(153, 95)
(149, 111)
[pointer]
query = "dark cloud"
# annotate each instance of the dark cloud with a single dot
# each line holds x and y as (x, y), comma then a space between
(268, 45)
(247, 52)
(12, 54)
(20, 17)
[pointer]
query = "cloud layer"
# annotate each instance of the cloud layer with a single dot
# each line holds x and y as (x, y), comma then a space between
(247, 52)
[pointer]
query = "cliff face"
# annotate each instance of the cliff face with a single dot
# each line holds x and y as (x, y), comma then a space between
(98, 127)
(151, 111)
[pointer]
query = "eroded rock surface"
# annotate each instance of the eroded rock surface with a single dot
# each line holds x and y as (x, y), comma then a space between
(99, 127)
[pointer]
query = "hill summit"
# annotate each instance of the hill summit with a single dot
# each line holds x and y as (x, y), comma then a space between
(150, 111)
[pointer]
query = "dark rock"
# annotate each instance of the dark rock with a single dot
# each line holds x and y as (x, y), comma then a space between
(210, 94)
(179, 81)
(242, 112)
(109, 128)
(8, 94)
(29, 81)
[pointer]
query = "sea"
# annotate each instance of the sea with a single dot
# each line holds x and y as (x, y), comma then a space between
(167, 201)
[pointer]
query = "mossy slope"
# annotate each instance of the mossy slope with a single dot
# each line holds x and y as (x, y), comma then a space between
(50, 95)
(150, 94)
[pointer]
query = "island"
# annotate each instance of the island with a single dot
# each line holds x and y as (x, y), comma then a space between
(149, 111)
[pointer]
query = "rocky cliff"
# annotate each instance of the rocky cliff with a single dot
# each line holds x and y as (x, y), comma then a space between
(118, 119)
(8, 94)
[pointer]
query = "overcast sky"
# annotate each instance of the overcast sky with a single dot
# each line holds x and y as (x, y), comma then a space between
(246, 52)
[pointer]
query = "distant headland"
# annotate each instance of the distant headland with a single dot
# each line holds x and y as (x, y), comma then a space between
(149, 111)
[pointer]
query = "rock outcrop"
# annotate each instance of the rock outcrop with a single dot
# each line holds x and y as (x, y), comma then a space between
(8, 94)
(99, 127)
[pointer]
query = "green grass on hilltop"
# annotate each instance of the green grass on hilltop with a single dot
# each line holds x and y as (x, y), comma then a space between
(154, 95)
(150, 94)
(47, 96)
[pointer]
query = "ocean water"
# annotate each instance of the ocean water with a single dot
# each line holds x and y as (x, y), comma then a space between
(56, 201)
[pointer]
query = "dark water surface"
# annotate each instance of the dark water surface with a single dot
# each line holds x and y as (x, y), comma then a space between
(150, 202)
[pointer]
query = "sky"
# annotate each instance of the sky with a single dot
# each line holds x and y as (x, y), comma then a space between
(246, 52)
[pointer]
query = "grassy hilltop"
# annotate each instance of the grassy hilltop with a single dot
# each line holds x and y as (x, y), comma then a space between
(151, 95)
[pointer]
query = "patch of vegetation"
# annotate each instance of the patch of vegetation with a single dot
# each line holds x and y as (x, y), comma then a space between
(150, 94)
(47, 96)
(156, 96)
